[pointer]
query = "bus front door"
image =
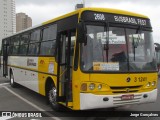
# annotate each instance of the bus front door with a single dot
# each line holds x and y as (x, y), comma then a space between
(64, 67)
(5, 59)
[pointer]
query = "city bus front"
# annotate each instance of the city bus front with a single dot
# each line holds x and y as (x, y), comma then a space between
(116, 61)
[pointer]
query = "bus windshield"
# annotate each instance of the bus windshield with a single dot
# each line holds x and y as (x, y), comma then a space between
(117, 50)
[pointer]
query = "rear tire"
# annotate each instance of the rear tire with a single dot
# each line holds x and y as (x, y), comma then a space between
(12, 83)
(52, 97)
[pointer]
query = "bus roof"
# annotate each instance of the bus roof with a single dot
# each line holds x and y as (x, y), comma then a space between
(107, 10)
(79, 11)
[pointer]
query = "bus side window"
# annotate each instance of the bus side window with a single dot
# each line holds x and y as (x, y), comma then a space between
(10, 50)
(15, 45)
(73, 39)
(33, 49)
(34, 43)
(24, 44)
(23, 49)
(47, 47)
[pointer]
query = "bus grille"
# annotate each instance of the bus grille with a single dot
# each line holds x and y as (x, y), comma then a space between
(119, 102)
(126, 89)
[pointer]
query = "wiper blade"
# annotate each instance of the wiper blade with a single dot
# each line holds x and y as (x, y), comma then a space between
(136, 40)
(107, 39)
(139, 30)
(134, 48)
(139, 38)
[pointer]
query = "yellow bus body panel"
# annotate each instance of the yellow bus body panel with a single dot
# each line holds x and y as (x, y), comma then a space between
(44, 64)
(111, 80)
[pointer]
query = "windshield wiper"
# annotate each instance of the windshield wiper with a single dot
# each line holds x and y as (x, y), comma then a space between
(137, 41)
(134, 48)
(139, 30)
(107, 39)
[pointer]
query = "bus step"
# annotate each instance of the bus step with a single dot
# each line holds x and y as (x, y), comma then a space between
(61, 99)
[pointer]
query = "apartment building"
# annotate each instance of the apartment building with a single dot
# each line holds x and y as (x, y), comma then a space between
(7, 19)
(23, 21)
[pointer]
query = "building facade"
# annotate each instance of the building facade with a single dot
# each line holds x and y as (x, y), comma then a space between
(7, 18)
(23, 21)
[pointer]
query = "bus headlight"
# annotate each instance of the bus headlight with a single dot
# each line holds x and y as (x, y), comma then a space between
(149, 84)
(153, 83)
(92, 86)
(99, 86)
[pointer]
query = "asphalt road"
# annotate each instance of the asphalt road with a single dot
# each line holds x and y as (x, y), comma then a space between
(24, 100)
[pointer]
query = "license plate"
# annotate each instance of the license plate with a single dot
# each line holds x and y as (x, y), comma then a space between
(127, 97)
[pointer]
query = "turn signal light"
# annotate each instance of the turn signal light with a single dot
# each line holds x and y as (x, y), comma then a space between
(84, 87)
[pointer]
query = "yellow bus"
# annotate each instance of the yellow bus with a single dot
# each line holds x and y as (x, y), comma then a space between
(88, 59)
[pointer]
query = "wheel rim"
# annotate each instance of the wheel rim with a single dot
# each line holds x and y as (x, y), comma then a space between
(53, 96)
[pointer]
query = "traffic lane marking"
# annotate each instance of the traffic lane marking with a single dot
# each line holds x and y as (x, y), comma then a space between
(3, 84)
(28, 102)
(5, 118)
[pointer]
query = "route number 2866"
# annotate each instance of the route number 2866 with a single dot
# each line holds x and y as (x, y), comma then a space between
(99, 16)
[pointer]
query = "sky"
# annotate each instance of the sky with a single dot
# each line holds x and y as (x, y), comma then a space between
(43, 10)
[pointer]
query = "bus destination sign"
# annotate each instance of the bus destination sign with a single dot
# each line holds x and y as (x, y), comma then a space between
(115, 18)
(130, 20)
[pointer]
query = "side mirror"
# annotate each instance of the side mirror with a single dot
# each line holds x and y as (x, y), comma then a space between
(81, 33)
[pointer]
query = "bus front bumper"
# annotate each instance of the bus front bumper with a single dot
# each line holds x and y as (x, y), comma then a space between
(92, 101)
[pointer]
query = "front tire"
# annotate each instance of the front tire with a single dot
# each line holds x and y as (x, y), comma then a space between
(52, 97)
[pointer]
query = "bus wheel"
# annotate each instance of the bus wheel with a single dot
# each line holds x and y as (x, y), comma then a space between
(12, 83)
(52, 96)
